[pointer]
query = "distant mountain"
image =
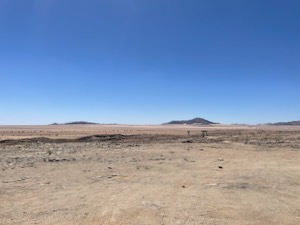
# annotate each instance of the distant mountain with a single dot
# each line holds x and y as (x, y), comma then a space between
(192, 121)
(291, 123)
(75, 123)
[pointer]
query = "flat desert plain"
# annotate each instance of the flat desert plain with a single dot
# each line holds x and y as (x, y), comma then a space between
(122, 174)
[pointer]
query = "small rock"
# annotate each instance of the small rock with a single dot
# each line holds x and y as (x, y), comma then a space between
(151, 205)
(220, 167)
(220, 159)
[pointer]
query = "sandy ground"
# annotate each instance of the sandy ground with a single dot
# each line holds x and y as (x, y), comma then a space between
(149, 175)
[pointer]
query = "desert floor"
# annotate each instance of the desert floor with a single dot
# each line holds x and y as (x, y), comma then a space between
(113, 174)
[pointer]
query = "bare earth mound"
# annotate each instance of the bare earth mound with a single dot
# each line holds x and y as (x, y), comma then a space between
(98, 174)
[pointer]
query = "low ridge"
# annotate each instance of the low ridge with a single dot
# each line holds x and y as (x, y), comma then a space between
(74, 123)
(291, 123)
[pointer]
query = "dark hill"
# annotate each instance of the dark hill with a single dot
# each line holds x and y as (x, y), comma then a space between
(192, 121)
(291, 123)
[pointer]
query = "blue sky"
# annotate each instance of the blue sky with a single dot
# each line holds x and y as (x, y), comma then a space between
(149, 61)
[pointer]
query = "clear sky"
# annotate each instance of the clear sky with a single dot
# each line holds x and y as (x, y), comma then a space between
(149, 61)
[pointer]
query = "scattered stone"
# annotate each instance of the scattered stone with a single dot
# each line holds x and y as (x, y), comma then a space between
(23, 178)
(158, 159)
(51, 160)
(151, 205)
(220, 167)
(183, 186)
(220, 159)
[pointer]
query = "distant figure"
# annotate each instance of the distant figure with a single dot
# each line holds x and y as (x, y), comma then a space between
(189, 132)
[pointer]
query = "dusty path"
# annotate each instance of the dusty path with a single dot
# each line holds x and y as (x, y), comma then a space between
(230, 177)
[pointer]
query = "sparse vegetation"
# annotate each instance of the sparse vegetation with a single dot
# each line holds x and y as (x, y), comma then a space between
(153, 175)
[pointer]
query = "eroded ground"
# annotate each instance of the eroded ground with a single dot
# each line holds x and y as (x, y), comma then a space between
(150, 176)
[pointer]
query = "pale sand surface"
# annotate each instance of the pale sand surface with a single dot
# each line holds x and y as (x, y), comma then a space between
(150, 175)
